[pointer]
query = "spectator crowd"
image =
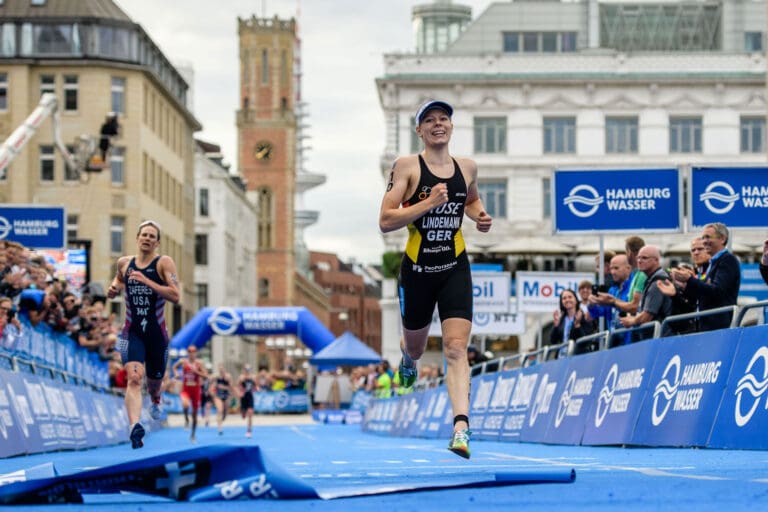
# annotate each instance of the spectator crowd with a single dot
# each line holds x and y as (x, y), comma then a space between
(638, 292)
(32, 296)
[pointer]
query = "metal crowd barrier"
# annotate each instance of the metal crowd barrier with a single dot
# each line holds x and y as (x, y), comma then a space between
(525, 359)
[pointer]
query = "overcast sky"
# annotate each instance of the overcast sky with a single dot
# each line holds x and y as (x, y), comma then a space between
(343, 42)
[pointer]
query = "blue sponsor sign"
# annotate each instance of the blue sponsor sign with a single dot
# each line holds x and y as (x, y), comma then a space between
(551, 379)
(519, 403)
(482, 387)
(12, 424)
(405, 415)
(589, 201)
(621, 388)
(380, 415)
(743, 416)
(36, 227)
(685, 388)
(574, 399)
(435, 405)
(496, 408)
(735, 196)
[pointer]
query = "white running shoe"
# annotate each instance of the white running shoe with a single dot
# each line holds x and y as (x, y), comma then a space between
(155, 411)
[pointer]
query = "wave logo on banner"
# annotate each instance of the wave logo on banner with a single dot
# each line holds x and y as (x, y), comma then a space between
(571, 401)
(5, 227)
(687, 389)
(753, 386)
(713, 194)
(616, 392)
(23, 412)
(593, 200)
(666, 390)
(224, 321)
(543, 399)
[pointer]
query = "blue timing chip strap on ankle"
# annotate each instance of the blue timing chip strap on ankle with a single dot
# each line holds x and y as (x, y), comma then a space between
(460, 417)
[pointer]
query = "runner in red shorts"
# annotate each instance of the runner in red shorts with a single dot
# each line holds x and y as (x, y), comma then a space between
(192, 374)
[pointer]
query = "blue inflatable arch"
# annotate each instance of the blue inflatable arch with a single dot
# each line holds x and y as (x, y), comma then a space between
(242, 321)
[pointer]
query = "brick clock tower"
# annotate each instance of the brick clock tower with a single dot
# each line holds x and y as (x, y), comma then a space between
(266, 125)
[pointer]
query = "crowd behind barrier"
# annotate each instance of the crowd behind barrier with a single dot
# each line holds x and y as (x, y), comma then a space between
(698, 389)
(44, 322)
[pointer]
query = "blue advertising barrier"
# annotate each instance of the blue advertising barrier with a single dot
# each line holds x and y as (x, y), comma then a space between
(735, 196)
(280, 402)
(36, 227)
(483, 389)
(577, 391)
(742, 420)
(432, 413)
(13, 418)
(685, 388)
(706, 389)
(589, 201)
(622, 385)
(38, 414)
(551, 377)
(226, 321)
(40, 345)
(520, 403)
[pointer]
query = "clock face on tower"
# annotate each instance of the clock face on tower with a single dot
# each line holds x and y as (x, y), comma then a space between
(263, 150)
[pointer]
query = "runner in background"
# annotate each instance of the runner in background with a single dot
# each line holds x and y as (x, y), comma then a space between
(247, 383)
(192, 375)
(222, 388)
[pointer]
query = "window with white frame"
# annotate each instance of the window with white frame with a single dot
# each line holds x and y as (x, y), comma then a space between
(490, 134)
(117, 165)
(201, 249)
(685, 134)
(201, 295)
(752, 134)
(559, 135)
(621, 134)
(47, 163)
(118, 94)
(202, 207)
(8, 39)
(47, 84)
(753, 42)
(116, 234)
(70, 93)
(494, 197)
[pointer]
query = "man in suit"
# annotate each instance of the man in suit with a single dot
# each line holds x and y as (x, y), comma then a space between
(764, 262)
(720, 287)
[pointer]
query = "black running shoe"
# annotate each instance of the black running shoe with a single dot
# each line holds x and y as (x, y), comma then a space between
(137, 436)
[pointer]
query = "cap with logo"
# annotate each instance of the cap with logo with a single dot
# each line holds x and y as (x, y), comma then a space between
(432, 104)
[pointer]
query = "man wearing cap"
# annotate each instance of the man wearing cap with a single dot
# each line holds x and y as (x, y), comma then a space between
(430, 193)
(192, 374)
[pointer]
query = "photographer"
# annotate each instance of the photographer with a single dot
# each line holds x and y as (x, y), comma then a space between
(615, 303)
(10, 327)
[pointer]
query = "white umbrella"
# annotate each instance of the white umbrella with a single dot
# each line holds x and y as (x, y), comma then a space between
(685, 248)
(611, 243)
(530, 245)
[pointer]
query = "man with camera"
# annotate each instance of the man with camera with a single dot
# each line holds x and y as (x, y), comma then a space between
(615, 303)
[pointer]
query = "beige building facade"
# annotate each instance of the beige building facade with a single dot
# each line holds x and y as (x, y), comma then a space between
(97, 60)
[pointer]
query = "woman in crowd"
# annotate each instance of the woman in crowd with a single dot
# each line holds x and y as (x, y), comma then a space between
(569, 322)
